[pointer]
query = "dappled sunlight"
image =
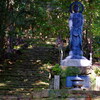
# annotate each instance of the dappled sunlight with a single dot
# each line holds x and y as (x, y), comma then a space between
(31, 60)
(10, 62)
(2, 84)
(41, 83)
(8, 82)
(19, 89)
(51, 41)
(25, 80)
(1, 70)
(36, 62)
(30, 71)
(1, 65)
(28, 41)
(30, 47)
(46, 67)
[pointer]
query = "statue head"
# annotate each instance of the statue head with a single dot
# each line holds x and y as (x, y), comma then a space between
(76, 8)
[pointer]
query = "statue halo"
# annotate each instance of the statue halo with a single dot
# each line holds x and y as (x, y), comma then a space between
(78, 4)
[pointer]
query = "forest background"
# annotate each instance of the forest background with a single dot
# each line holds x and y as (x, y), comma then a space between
(40, 22)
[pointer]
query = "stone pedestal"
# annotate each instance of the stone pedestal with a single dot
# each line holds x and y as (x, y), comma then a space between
(85, 68)
(84, 62)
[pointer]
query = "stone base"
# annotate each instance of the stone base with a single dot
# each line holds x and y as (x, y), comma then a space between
(84, 62)
(76, 89)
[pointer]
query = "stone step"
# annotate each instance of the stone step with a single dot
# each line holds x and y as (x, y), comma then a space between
(12, 86)
(15, 98)
(57, 94)
(18, 86)
(27, 74)
(43, 98)
(27, 69)
(65, 93)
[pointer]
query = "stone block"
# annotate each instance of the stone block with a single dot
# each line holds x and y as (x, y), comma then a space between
(56, 81)
(76, 99)
(9, 98)
(41, 93)
(98, 83)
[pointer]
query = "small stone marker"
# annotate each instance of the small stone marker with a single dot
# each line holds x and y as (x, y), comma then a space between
(98, 83)
(57, 82)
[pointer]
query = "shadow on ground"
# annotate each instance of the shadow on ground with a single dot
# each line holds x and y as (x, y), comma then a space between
(28, 72)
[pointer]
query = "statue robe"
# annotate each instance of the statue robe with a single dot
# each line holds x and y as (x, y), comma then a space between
(76, 26)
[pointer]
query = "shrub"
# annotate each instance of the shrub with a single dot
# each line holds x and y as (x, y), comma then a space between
(72, 71)
(97, 71)
(69, 71)
(56, 69)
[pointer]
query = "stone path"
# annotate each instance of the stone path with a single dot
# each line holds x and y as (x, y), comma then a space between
(29, 72)
(19, 80)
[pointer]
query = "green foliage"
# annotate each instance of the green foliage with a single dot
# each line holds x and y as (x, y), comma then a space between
(44, 19)
(56, 69)
(69, 71)
(93, 81)
(97, 71)
(72, 71)
(96, 46)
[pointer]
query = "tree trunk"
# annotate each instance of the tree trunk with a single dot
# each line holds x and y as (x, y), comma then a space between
(2, 51)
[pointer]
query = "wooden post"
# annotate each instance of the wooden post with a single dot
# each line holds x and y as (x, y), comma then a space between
(61, 55)
(91, 58)
(56, 81)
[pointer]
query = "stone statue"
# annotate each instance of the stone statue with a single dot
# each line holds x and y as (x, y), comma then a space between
(76, 21)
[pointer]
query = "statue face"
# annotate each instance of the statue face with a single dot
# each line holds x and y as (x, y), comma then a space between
(76, 8)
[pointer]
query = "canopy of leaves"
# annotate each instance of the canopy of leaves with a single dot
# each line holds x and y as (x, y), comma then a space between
(44, 19)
